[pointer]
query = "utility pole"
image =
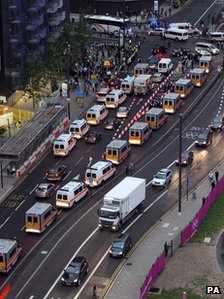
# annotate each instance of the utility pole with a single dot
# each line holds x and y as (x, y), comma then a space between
(67, 75)
(180, 164)
(124, 14)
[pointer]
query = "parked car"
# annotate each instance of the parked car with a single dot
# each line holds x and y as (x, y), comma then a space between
(186, 158)
(153, 62)
(202, 53)
(204, 137)
(158, 77)
(217, 123)
(75, 272)
(122, 112)
(121, 246)
(156, 31)
(157, 102)
(93, 137)
(162, 178)
(44, 190)
(112, 123)
(178, 52)
(56, 172)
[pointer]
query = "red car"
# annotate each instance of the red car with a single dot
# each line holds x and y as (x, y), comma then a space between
(186, 158)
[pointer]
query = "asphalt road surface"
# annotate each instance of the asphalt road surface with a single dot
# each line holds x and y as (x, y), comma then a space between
(75, 231)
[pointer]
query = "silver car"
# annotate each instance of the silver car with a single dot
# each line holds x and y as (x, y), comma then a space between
(162, 178)
(45, 190)
(122, 112)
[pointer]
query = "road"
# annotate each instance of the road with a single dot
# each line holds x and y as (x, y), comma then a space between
(75, 231)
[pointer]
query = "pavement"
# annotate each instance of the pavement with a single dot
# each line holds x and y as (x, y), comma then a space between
(135, 268)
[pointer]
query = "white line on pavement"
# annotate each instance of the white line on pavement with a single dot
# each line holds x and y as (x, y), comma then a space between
(7, 219)
(33, 189)
(80, 247)
(19, 205)
(79, 161)
(23, 227)
(89, 149)
(66, 176)
(204, 13)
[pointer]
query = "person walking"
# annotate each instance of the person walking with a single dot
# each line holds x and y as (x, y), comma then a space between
(211, 177)
(217, 176)
(166, 249)
(127, 170)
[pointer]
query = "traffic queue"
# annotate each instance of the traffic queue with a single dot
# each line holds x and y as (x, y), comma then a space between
(41, 214)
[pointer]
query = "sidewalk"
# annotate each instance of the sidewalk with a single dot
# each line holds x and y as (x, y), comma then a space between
(132, 275)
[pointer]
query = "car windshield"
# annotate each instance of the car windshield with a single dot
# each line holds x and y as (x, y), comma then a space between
(160, 175)
(118, 244)
(184, 155)
(202, 136)
(107, 214)
(52, 170)
(216, 121)
(40, 188)
(72, 269)
(122, 109)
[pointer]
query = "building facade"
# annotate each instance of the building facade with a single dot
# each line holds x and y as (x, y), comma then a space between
(25, 27)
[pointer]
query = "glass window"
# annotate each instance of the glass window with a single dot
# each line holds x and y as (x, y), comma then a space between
(61, 146)
(94, 175)
(65, 197)
(114, 152)
(109, 151)
(35, 220)
(88, 175)
(56, 146)
(29, 219)
(1, 259)
(132, 133)
(137, 134)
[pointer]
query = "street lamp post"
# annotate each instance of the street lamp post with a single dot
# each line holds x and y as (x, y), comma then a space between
(124, 14)
(9, 130)
(180, 164)
(68, 83)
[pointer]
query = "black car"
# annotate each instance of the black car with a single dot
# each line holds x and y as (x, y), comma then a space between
(56, 172)
(179, 52)
(157, 102)
(153, 62)
(121, 246)
(93, 137)
(217, 123)
(75, 271)
(204, 137)
(112, 123)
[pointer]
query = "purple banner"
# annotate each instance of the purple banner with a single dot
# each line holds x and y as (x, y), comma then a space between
(193, 225)
(153, 273)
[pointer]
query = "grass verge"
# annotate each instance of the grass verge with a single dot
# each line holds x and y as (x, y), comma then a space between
(212, 223)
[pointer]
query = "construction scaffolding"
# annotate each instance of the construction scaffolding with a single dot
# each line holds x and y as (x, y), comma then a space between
(20, 147)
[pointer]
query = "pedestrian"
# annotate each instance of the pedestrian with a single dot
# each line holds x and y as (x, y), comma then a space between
(127, 170)
(170, 11)
(166, 249)
(217, 176)
(213, 185)
(131, 167)
(192, 63)
(203, 200)
(211, 177)
(8, 170)
(94, 291)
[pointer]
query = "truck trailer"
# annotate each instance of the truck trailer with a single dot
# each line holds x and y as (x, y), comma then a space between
(121, 202)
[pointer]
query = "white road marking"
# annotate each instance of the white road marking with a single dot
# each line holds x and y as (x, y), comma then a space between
(31, 297)
(59, 212)
(204, 13)
(59, 160)
(23, 227)
(76, 177)
(19, 205)
(79, 161)
(67, 175)
(89, 149)
(80, 247)
(33, 189)
(7, 219)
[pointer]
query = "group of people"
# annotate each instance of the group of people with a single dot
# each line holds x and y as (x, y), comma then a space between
(213, 178)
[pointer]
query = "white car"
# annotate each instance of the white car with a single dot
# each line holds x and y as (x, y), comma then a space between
(162, 178)
(122, 112)
(156, 31)
(204, 53)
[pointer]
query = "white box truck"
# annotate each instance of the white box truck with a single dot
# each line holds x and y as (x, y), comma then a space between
(121, 202)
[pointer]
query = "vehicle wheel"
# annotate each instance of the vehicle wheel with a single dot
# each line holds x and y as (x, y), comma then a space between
(176, 39)
(78, 282)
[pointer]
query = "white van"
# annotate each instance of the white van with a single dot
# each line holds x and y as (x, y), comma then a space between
(99, 173)
(63, 144)
(165, 65)
(115, 98)
(127, 84)
(186, 26)
(96, 114)
(70, 194)
(207, 47)
(101, 94)
(176, 34)
(78, 128)
(216, 36)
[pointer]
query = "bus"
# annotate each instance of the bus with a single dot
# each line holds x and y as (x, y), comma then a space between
(107, 24)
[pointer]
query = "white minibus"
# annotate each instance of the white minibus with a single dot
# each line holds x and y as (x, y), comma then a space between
(176, 34)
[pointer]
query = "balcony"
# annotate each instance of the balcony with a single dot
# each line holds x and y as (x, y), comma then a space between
(40, 19)
(32, 25)
(34, 40)
(15, 38)
(17, 20)
(14, 4)
(55, 21)
(61, 15)
(19, 53)
(60, 3)
(15, 72)
(42, 3)
(43, 33)
(52, 7)
(34, 7)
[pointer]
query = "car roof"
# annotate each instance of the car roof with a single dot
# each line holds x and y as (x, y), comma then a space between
(164, 170)
(43, 185)
(78, 260)
(56, 167)
(122, 237)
